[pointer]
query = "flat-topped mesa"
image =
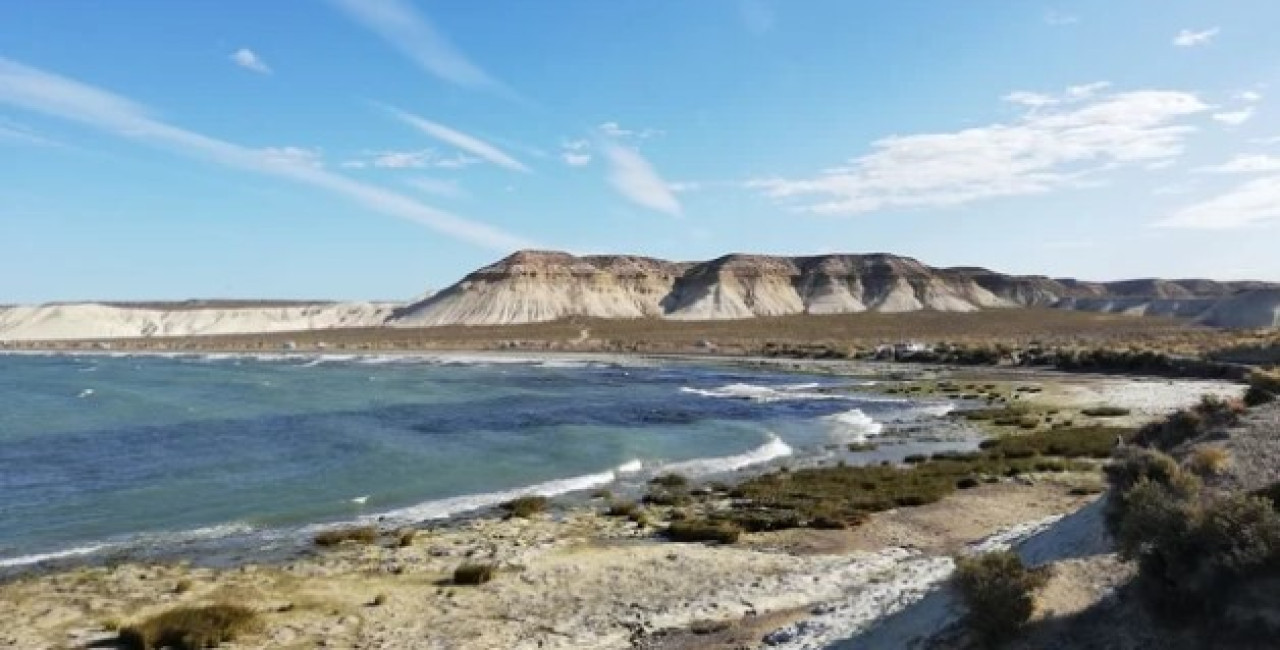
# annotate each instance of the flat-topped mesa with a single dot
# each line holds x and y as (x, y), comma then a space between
(532, 286)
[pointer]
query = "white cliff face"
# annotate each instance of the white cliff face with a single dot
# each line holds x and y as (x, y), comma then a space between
(533, 286)
(98, 321)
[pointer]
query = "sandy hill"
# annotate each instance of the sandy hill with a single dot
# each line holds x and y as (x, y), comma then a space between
(533, 286)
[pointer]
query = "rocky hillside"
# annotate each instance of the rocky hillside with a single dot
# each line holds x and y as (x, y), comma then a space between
(97, 320)
(532, 286)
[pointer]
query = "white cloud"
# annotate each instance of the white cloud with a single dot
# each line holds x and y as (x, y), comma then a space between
(457, 162)
(447, 188)
(403, 159)
(633, 177)
(1246, 164)
(49, 94)
(1059, 19)
(575, 153)
(1030, 99)
(680, 187)
(615, 131)
(1251, 96)
(398, 23)
(1058, 143)
(293, 156)
(1189, 38)
(249, 60)
(1253, 203)
(1085, 91)
(1235, 118)
(467, 143)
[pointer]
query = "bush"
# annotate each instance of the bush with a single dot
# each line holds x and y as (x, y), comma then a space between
(1209, 461)
(1265, 381)
(190, 628)
(405, 538)
(525, 507)
(1210, 414)
(336, 536)
(670, 497)
(1257, 397)
(999, 592)
(670, 481)
(1106, 412)
(474, 574)
(622, 509)
(723, 532)
(1068, 442)
(967, 483)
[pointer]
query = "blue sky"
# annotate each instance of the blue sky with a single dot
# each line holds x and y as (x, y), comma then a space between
(378, 148)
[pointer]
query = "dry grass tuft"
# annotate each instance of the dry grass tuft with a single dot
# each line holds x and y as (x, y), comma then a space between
(190, 628)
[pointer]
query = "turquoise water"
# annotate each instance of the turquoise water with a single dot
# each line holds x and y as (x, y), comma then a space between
(104, 453)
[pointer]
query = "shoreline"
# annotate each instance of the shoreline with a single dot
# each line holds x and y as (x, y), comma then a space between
(329, 590)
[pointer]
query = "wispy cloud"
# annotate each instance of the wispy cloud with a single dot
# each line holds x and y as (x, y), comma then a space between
(1061, 141)
(1251, 96)
(249, 60)
(447, 188)
(1235, 118)
(636, 179)
(576, 153)
(411, 32)
(1252, 203)
(468, 143)
(46, 93)
(294, 155)
(615, 130)
(1190, 38)
(11, 131)
(1059, 19)
(1245, 164)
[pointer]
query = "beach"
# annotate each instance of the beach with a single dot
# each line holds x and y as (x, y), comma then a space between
(574, 577)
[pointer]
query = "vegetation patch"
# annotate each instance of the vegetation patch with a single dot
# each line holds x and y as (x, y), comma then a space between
(1106, 412)
(525, 507)
(474, 573)
(1073, 442)
(703, 530)
(190, 628)
(670, 480)
(1188, 424)
(999, 592)
(336, 536)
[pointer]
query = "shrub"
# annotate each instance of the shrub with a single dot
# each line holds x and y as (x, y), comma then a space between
(723, 532)
(182, 586)
(670, 480)
(1106, 412)
(378, 601)
(1211, 413)
(999, 592)
(525, 507)
(667, 498)
(1265, 381)
(1209, 461)
(915, 459)
(1257, 397)
(406, 536)
(474, 574)
(967, 483)
(189, 628)
(336, 536)
(622, 509)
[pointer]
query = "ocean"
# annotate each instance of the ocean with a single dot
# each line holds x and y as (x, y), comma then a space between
(115, 455)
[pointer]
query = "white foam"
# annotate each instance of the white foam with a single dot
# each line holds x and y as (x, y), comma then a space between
(630, 467)
(852, 426)
(773, 449)
(442, 508)
(44, 557)
(794, 392)
(88, 392)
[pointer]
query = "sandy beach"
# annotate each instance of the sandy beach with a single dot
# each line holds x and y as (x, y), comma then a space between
(574, 578)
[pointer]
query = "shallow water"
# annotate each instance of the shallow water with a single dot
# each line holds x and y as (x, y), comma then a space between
(122, 452)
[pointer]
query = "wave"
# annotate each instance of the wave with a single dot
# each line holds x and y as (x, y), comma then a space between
(794, 392)
(24, 560)
(630, 467)
(852, 426)
(773, 449)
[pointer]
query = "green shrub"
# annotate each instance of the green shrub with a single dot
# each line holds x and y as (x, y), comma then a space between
(190, 628)
(336, 536)
(1209, 461)
(525, 507)
(622, 509)
(1210, 414)
(999, 592)
(967, 483)
(1255, 396)
(1068, 442)
(669, 497)
(670, 480)
(723, 532)
(405, 537)
(1106, 412)
(474, 574)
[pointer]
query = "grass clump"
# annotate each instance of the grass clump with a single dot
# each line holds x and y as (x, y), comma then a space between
(1068, 442)
(189, 628)
(404, 539)
(1106, 412)
(1209, 461)
(622, 509)
(668, 497)
(474, 574)
(336, 536)
(1210, 414)
(999, 592)
(525, 507)
(670, 480)
(702, 530)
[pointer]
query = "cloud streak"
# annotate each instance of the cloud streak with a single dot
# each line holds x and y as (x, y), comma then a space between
(46, 93)
(249, 60)
(1060, 141)
(468, 143)
(414, 35)
(637, 181)
(1190, 38)
(1252, 203)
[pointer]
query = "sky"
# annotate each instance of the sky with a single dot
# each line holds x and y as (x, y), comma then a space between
(378, 149)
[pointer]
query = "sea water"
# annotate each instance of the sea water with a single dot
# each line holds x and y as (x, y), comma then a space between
(117, 453)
